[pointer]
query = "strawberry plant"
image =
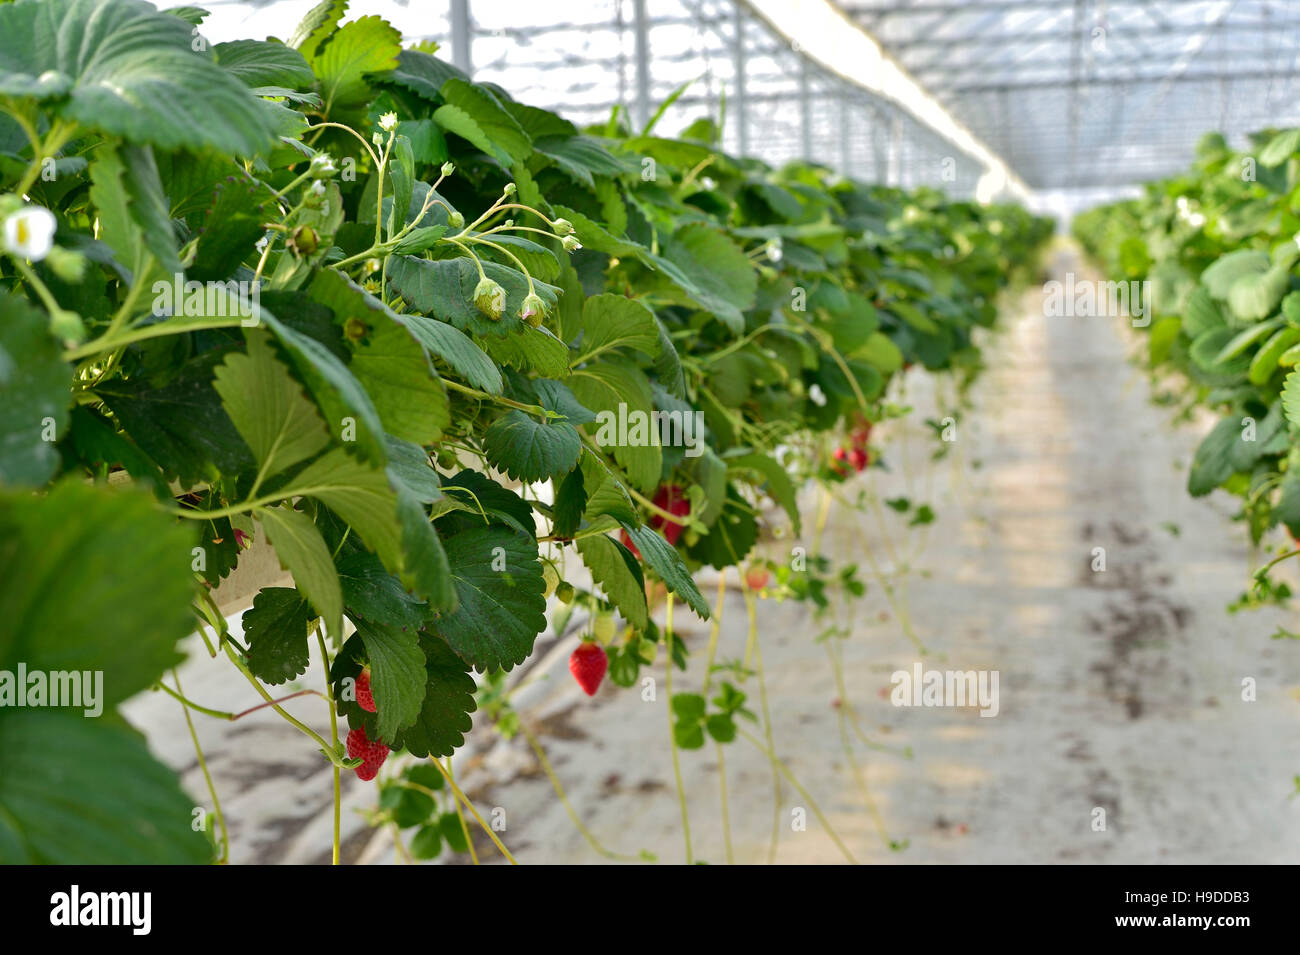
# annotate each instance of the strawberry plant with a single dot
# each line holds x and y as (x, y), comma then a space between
(431, 346)
(1217, 251)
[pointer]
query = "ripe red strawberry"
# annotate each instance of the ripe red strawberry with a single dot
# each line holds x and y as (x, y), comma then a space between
(371, 753)
(588, 664)
(365, 699)
(627, 542)
(858, 458)
(840, 462)
(671, 499)
(756, 578)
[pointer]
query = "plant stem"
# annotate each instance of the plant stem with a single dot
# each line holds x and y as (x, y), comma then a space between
(106, 343)
(586, 833)
(726, 808)
(207, 776)
(470, 806)
(275, 705)
(499, 399)
(334, 731)
(812, 803)
(672, 736)
(469, 843)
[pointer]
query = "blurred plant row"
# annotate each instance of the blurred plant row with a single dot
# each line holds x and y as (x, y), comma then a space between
(1218, 248)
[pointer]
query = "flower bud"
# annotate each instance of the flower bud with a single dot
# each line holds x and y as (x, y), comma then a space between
(67, 326)
(456, 220)
(448, 168)
(68, 265)
(570, 243)
(322, 166)
(562, 227)
(490, 298)
(510, 189)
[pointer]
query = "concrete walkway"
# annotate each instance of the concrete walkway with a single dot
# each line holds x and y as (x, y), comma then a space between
(1119, 690)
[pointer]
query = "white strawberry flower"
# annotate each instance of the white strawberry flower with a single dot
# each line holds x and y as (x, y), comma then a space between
(29, 233)
(388, 122)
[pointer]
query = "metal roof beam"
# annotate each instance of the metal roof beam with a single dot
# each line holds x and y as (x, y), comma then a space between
(893, 11)
(950, 71)
(1228, 28)
(842, 47)
(1065, 83)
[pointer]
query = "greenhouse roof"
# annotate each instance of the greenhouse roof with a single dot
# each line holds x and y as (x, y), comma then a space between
(977, 97)
(1097, 93)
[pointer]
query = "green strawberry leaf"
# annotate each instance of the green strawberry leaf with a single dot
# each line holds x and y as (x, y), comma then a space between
(534, 350)
(776, 481)
(123, 67)
(302, 551)
(363, 46)
(397, 675)
(35, 384)
(667, 563)
(181, 425)
(526, 449)
(87, 792)
(408, 394)
(711, 271)
(265, 63)
(498, 580)
(1212, 463)
(268, 407)
(134, 585)
(618, 392)
(457, 349)
(276, 631)
(348, 410)
(371, 593)
(611, 322)
(444, 718)
(619, 575)
(422, 74)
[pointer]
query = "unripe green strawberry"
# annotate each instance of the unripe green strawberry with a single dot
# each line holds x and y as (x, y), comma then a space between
(490, 298)
(533, 310)
(304, 240)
